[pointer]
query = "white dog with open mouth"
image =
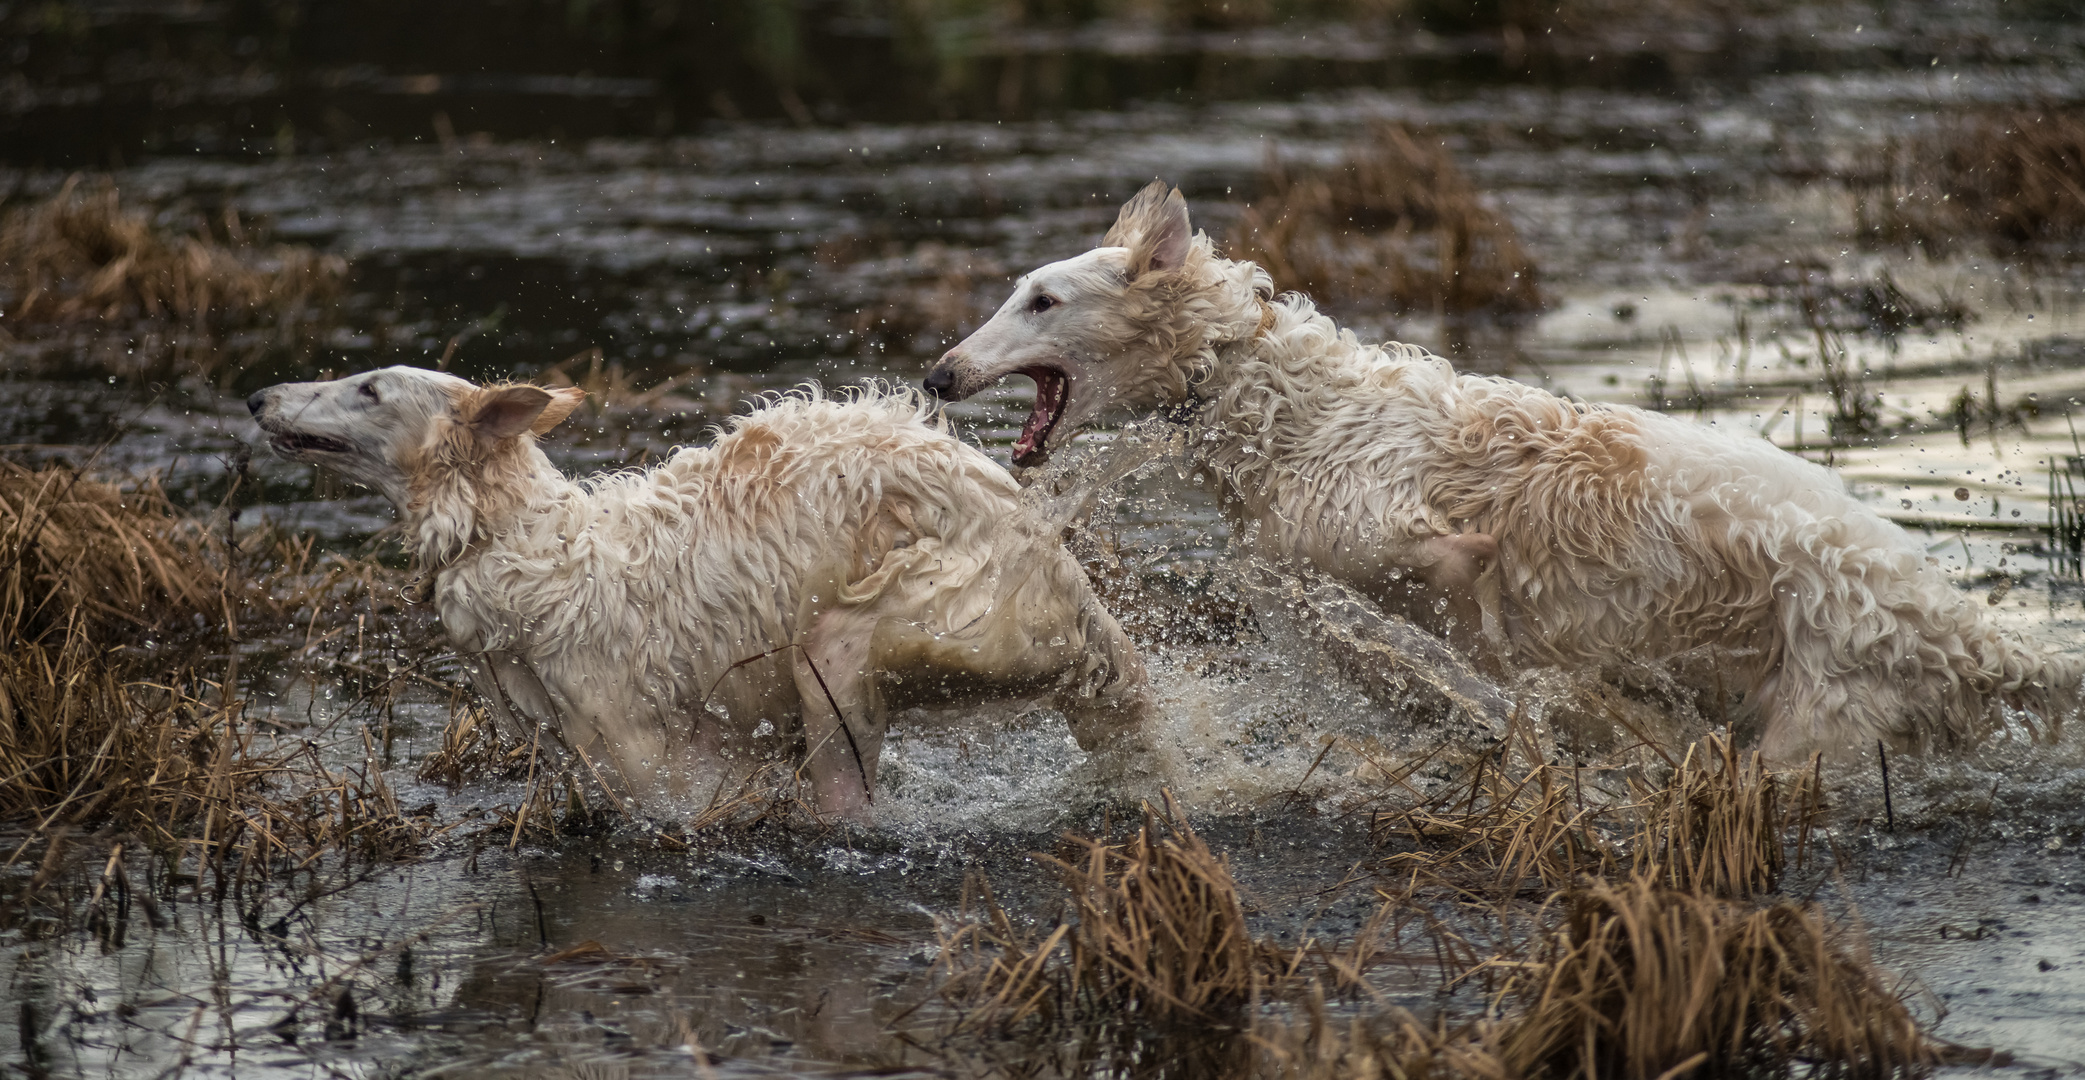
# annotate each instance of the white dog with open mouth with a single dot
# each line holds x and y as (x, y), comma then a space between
(1523, 527)
(824, 563)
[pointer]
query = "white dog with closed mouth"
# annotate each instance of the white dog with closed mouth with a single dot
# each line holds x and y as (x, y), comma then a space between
(1523, 527)
(824, 563)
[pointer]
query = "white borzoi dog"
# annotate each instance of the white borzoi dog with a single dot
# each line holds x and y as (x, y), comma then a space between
(1525, 528)
(825, 563)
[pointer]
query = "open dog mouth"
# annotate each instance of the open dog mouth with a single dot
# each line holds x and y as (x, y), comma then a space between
(1052, 389)
(297, 442)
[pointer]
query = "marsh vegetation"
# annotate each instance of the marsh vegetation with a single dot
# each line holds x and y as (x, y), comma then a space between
(253, 813)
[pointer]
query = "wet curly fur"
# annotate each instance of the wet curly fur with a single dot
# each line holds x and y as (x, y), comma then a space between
(1526, 528)
(825, 563)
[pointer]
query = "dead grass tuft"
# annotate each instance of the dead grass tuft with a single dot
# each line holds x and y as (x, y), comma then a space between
(1644, 981)
(81, 259)
(1150, 970)
(1501, 834)
(1721, 823)
(73, 550)
(1160, 932)
(2012, 179)
(473, 747)
(1639, 981)
(1395, 223)
(81, 256)
(109, 720)
(1713, 820)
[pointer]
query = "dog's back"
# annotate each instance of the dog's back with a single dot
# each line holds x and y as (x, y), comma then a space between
(1628, 533)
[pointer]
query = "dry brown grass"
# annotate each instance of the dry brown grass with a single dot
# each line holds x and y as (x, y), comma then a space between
(81, 259)
(1155, 929)
(1638, 982)
(76, 550)
(1149, 971)
(1161, 931)
(1714, 821)
(81, 256)
(1722, 822)
(1395, 224)
(1630, 979)
(1508, 835)
(473, 748)
(2013, 179)
(82, 564)
(109, 722)
(1643, 981)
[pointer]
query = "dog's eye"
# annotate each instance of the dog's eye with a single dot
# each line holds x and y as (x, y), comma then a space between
(1042, 303)
(368, 390)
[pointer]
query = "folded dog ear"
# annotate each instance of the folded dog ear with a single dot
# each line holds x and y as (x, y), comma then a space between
(1153, 225)
(562, 401)
(502, 412)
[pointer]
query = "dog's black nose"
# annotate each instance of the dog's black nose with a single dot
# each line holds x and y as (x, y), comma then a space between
(939, 380)
(254, 403)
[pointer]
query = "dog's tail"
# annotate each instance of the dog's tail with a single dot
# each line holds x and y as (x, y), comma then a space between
(2053, 690)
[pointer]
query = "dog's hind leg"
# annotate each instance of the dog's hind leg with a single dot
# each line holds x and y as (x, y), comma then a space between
(843, 713)
(1044, 632)
(1106, 697)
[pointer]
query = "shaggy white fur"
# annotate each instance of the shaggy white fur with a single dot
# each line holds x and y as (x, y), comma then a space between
(1524, 527)
(824, 563)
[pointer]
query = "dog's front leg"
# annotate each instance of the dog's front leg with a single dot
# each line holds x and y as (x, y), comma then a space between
(1463, 570)
(1448, 585)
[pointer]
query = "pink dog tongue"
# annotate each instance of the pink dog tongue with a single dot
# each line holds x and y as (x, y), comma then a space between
(1049, 398)
(1032, 431)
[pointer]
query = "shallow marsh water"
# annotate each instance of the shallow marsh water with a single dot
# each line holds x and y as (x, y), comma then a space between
(749, 257)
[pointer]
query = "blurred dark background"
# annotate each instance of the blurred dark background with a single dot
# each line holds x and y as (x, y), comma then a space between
(100, 84)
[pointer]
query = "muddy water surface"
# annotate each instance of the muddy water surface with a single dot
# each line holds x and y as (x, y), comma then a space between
(1674, 226)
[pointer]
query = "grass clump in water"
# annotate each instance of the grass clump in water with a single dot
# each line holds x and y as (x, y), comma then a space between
(1150, 969)
(2013, 180)
(1161, 930)
(1394, 223)
(1510, 834)
(119, 701)
(1721, 822)
(88, 573)
(78, 551)
(1639, 982)
(1664, 970)
(1644, 981)
(80, 259)
(1712, 820)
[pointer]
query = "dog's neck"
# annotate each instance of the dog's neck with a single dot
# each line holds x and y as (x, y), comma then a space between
(1258, 403)
(461, 494)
